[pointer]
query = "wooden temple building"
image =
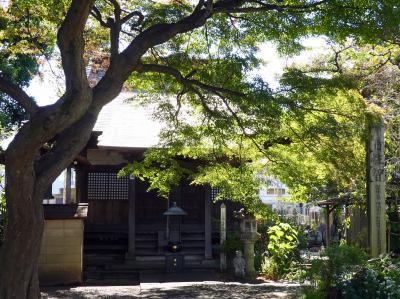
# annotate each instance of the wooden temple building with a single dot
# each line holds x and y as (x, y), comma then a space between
(126, 228)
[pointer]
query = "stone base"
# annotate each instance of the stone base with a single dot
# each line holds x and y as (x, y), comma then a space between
(61, 252)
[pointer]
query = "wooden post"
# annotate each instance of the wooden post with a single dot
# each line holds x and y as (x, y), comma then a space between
(376, 189)
(222, 258)
(67, 186)
(328, 230)
(207, 223)
(132, 217)
(81, 185)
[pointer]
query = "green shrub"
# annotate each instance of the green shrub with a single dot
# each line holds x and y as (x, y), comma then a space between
(387, 267)
(282, 250)
(337, 262)
(379, 279)
(345, 271)
(309, 292)
(283, 241)
(260, 247)
(302, 237)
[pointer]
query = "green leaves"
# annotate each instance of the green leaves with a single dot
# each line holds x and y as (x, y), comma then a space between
(282, 250)
(282, 240)
(27, 36)
(160, 169)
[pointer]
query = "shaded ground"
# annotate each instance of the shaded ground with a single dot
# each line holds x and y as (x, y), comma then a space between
(178, 290)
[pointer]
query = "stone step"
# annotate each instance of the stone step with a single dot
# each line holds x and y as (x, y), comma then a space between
(193, 238)
(106, 247)
(192, 243)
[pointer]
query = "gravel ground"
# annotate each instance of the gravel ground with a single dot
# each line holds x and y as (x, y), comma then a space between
(179, 290)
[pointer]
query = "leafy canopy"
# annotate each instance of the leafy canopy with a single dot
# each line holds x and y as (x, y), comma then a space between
(310, 133)
(219, 113)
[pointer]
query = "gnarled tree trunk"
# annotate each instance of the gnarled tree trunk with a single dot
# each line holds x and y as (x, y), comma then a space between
(26, 183)
(18, 276)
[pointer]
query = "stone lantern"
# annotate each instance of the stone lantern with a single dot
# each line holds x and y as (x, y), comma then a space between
(248, 235)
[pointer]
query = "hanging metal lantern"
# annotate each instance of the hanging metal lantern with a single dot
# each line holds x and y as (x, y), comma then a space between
(175, 211)
(174, 241)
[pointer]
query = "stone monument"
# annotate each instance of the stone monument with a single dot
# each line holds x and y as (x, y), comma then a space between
(239, 265)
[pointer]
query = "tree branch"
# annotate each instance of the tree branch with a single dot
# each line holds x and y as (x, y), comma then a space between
(164, 69)
(131, 15)
(65, 147)
(53, 119)
(191, 84)
(71, 43)
(127, 61)
(95, 12)
(19, 95)
(233, 6)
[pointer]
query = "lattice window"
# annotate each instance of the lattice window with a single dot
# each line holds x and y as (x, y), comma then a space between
(107, 186)
(214, 193)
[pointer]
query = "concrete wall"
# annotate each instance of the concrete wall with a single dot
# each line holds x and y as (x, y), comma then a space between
(61, 253)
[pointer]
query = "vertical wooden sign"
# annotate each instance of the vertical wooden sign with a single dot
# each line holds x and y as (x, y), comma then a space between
(376, 189)
(223, 237)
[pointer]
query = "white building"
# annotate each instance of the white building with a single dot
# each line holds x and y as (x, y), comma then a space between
(277, 197)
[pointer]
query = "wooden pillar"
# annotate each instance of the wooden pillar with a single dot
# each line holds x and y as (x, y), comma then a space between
(376, 189)
(81, 185)
(132, 217)
(67, 199)
(207, 223)
(222, 257)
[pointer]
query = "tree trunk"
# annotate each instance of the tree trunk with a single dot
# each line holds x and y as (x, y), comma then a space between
(20, 252)
(26, 182)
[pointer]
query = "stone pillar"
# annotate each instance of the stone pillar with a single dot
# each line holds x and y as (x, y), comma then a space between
(207, 224)
(376, 189)
(222, 256)
(248, 239)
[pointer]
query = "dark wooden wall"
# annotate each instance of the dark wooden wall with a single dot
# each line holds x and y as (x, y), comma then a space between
(108, 201)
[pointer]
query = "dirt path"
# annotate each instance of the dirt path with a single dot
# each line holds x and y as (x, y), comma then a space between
(179, 290)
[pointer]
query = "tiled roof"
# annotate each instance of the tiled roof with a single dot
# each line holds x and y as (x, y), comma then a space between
(127, 124)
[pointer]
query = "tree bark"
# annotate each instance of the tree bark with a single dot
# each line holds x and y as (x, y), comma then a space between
(20, 252)
(26, 183)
